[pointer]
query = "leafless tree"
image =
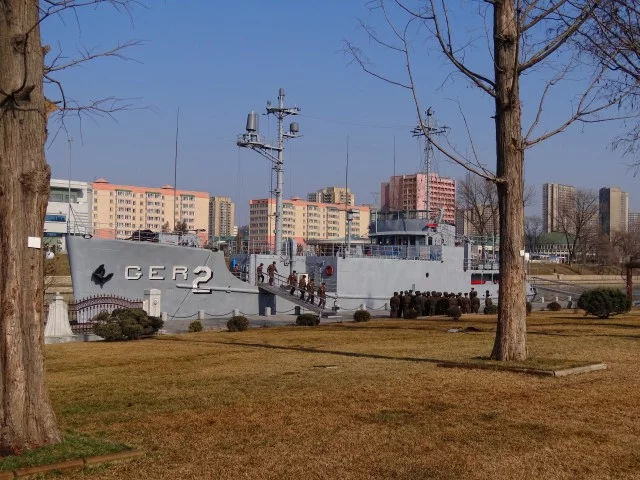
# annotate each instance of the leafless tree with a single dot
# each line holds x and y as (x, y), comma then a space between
(627, 244)
(604, 252)
(522, 36)
(27, 419)
(477, 202)
(612, 38)
(578, 221)
(532, 231)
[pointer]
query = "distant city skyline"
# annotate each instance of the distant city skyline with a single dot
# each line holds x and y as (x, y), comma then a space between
(216, 62)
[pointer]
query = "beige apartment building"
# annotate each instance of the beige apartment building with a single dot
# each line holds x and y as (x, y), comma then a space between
(614, 211)
(303, 220)
(557, 202)
(333, 195)
(120, 210)
(221, 217)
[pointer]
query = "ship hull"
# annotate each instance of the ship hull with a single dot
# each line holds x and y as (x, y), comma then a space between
(195, 280)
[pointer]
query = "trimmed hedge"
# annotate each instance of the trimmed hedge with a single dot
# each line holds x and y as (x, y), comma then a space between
(604, 302)
(554, 307)
(126, 324)
(307, 320)
(195, 326)
(491, 310)
(238, 324)
(454, 312)
(361, 316)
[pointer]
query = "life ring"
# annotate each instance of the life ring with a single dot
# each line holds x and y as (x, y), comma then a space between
(328, 271)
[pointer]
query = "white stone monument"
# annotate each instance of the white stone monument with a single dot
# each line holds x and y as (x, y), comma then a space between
(58, 329)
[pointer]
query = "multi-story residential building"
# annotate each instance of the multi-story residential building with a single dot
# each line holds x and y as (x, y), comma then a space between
(409, 192)
(333, 195)
(221, 216)
(120, 210)
(614, 211)
(634, 222)
(304, 221)
(69, 207)
(558, 201)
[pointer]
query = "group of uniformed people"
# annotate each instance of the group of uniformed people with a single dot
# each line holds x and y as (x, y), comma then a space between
(308, 288)
(425, 303)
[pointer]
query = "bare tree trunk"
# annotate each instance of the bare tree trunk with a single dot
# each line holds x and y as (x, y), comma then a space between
(26, 416)
(511, 340)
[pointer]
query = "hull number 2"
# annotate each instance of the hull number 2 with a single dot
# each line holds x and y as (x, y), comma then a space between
(160, 272)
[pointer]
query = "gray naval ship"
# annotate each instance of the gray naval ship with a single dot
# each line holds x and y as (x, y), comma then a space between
(405, 250)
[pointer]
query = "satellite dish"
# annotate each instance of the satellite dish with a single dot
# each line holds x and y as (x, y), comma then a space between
(49, 255)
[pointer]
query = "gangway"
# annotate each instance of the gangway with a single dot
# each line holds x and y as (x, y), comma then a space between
(281, 289)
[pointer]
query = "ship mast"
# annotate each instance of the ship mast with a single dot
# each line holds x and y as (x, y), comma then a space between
(427, 130)
(255, 142)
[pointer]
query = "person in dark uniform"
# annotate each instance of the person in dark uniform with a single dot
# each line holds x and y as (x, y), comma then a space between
(487, 300)
(401, 309)
(406, 303)
(418, 303)
(394, 304)
(415, 301)
(453, 301)
(271, 271)
(433, 299)
(322, 296)
(475, 302)
(260, 274)
(425, 304)
(293, 280)
(302, 286)
(311, 292)
(466, 303)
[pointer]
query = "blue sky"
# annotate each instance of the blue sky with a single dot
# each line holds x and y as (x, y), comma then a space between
(218, 60)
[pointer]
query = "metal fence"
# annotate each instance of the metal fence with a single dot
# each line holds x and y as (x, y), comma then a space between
(83, 312)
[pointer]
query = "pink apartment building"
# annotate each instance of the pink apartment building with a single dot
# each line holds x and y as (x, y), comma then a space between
(409, 192)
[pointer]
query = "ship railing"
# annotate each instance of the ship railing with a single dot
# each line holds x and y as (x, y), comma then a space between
(481, 265)
(190, 238)
(398, 252)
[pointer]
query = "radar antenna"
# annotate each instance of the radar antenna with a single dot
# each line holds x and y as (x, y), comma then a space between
(427, 130)
(259, 144)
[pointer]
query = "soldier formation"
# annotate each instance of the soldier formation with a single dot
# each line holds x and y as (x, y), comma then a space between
(426, 303)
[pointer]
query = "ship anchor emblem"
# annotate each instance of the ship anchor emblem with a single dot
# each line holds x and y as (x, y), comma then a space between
(98, 276)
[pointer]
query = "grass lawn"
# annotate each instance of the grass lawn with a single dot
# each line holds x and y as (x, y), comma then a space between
(73, 447)
(358, 401)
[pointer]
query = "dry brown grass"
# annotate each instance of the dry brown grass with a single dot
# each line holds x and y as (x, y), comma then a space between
(263, 404)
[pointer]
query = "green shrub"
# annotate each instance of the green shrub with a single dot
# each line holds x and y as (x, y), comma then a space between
(361, 316)
(529, 308)
(126, 324)
(101, 317)
(238, 324)
(195, 326)
(110, 331)
(554, 307)
(491, 310)
(307, 320)
(442, 305)
(411, 314)
(604, 302)
(454, 312)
